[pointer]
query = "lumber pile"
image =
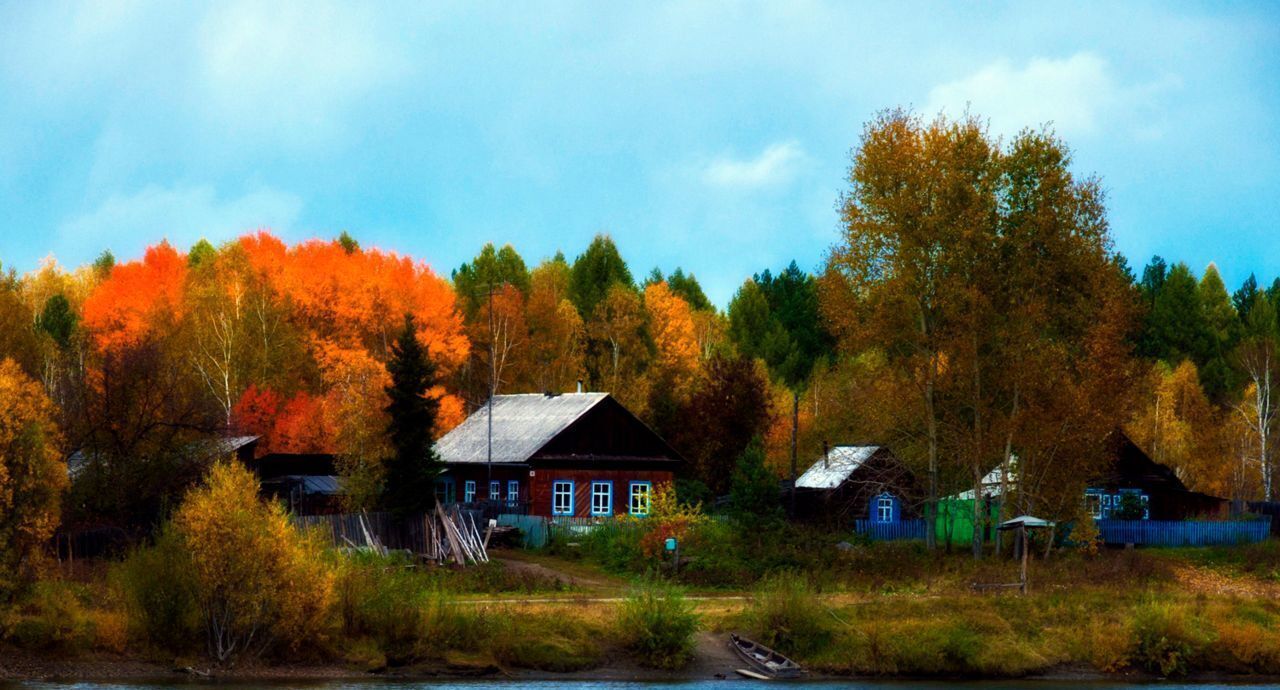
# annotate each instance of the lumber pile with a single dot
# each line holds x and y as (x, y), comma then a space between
(452, 535)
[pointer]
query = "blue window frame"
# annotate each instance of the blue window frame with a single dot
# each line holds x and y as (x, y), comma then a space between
(601, 497)
(469, 491)
(562, 497)
(495, 490)
(640, 495)
(513, 491)
(446, 491)
(884, 507)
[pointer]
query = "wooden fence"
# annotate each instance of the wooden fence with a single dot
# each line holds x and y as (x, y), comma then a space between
(901, 530)
(534, 532)
(349, 530)
(1183, 533)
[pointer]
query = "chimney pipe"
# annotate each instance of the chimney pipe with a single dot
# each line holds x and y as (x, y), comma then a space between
(826, 455)
(579, 385)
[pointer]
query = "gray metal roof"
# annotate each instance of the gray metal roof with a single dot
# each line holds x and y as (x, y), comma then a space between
(522, 424)
(840, 462)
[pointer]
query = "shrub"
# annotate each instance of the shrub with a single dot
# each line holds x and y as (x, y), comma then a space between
(787, 615)
(257, 578)
(658, 625)
(159, 594)
(50, 616)
(1167, 638)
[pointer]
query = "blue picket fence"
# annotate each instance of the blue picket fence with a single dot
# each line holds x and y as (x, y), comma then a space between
(1183, 533)
(900, 530)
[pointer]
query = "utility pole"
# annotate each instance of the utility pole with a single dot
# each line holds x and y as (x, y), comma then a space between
(493, 387)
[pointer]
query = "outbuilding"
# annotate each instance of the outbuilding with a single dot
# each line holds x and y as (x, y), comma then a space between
(849, 483)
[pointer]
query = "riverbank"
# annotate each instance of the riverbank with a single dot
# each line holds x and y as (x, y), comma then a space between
(889, 612)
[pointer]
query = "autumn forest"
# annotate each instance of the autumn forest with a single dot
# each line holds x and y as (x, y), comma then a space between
(971, 310)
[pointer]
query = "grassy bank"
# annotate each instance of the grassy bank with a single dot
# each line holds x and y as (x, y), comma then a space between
(880, 609)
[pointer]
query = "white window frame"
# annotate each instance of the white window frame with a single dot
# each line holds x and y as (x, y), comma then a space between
(495, 490)
(884, 508)
(646, 495)
(559, 488)
(469, 491)
(601, 489)
(513, 490)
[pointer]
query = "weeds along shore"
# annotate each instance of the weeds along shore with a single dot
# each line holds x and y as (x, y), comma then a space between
(231, 583)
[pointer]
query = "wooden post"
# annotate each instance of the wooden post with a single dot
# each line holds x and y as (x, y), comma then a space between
(1026, 547)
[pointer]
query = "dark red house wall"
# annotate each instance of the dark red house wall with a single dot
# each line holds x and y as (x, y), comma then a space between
(540, 487)
(480, 474)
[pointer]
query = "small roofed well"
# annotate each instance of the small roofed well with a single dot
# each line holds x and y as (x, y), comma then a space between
(856, 482)
(567, 455)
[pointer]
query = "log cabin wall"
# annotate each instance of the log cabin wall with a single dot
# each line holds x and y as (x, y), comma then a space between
(543, 477)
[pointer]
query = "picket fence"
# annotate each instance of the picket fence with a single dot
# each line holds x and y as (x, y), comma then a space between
(890, 531)
(1183, 533)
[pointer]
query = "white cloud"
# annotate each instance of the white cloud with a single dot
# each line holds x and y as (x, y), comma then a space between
(774, 166)
(182, 215)
(293, 70)
(1079, 95)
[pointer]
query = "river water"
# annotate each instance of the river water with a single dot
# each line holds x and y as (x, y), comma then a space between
(617, 685)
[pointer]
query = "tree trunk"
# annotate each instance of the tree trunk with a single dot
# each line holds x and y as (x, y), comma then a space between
(1001, 515)
(931, 504)
(795, 426)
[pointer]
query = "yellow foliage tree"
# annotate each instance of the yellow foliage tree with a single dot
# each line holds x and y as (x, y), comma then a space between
(258, 579)
(32, 474)
(674, 336)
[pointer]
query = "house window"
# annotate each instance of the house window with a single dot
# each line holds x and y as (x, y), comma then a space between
(562, 497)
(446, 492)
(1094, 503)
(641, 492)
(602, 498)
(1146, 507)
(513, 491)
(495, 490)
(884, 508)
(469, 491)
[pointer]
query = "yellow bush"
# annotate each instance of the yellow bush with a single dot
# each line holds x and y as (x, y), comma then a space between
(32, 475)
(258, 579)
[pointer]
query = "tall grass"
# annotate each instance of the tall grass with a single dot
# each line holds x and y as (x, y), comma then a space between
(658, 625)
(787, 614)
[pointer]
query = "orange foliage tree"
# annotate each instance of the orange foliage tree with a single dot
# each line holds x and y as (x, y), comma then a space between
(136, 297)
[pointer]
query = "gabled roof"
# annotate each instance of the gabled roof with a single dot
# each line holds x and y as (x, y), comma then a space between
(833, 470)
(522, 425)
(223, 445)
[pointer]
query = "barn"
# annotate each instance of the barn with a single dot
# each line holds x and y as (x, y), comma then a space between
(555, 455)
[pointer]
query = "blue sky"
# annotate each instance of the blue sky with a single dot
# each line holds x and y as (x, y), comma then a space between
(713, 136)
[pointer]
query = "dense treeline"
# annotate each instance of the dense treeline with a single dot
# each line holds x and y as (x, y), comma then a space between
(972, 314)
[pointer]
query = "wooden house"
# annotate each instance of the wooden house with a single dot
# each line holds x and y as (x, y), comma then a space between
(851, 483)
(1133, 486)
(570, 455)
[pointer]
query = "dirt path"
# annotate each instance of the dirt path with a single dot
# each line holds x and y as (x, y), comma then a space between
(541, 571)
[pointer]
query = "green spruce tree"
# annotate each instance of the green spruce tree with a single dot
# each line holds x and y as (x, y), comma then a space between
(414, 465)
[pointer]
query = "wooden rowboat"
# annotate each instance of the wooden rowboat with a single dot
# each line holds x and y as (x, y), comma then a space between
(763, 660)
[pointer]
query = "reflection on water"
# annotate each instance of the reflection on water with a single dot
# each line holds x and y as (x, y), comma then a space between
(511, 684)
